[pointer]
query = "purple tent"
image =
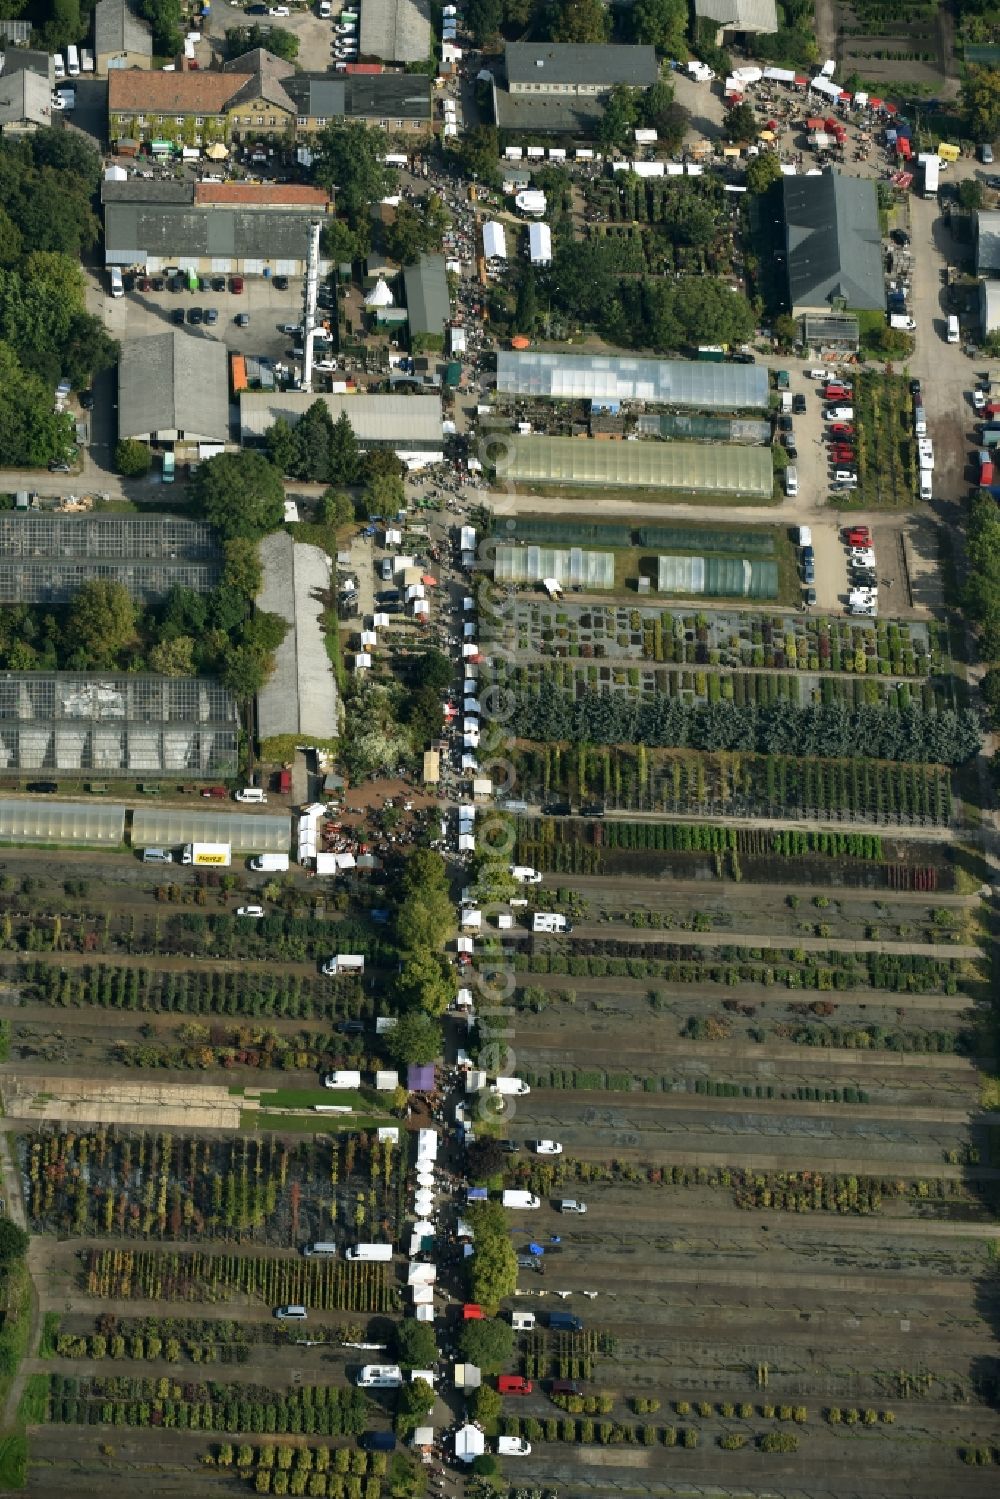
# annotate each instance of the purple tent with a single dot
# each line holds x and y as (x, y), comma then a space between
(420, 1079)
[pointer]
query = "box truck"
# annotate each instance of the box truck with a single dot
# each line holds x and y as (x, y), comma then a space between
(370, 1252)
(323, 1247)
(512, 1198)
(208, 855)
(270, 863)
(512, 1085)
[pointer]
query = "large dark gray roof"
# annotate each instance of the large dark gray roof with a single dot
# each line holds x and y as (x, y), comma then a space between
(987, 243)
(401, 96)
(173, 382)
(592, 63)
(549, 114)
(833, 242)
(428, 306)
(118, 29)
(228, 233)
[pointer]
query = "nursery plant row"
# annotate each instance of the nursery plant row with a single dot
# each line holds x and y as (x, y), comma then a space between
(170, 1275)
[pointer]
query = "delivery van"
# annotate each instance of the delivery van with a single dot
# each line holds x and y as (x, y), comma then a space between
(270, 863)
(791, 481)
(290, 1313)
(512, 1198)
(953, 333)
(117, 285)
(550, 921)
(370, 1252)
(522, 1321)
(920, 421)
(324, 1248)
(926, 484)
(157, 856)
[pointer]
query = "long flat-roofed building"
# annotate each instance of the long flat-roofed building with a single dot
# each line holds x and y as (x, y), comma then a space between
(621, 377)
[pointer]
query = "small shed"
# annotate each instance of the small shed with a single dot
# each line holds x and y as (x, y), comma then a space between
(467, 1377)
(387, 1081)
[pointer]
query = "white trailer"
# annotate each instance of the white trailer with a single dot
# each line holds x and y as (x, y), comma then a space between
(519, 1200)
(549, 921)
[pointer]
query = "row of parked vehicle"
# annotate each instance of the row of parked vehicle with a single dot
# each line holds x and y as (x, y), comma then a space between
(863, 596)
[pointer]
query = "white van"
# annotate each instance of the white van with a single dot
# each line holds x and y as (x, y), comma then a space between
(58, 66)
(792, 482)
(253, 796)
(525, 875)
(522, 1321)
(290, 1313)
(380, 1377)
(344, 1078)
(117, 284)
(953, 333)
(926, 484)
(86, 61)
(920, 421)
(370, 1252)
(324, 1247)
(72, 62)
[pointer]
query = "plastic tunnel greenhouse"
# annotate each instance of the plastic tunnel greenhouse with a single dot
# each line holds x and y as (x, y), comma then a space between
(642, 465)
(158, 827)
(569, 568)
(718, 577)
(37, 821)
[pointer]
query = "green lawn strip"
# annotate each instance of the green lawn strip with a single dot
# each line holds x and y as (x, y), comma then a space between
(308, 1098)
(13, 1461)
(307, 1124)
(34, 1403)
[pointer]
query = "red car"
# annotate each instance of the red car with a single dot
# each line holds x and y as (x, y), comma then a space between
(842, 455)
(236, 285)
(514, 1384)
(842, 429)
(858, 536)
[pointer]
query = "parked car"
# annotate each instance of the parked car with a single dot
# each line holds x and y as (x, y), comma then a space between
(798, 403)
(839, 414)
(784, 422)
(842, 429)
(809, 597)
(195, 317)
(236, 282)
(840, 474)
(211, 316)
(87, 400)
(547, 1147)
(177, 316)
(280, 283)
(218, 283)
(242, 319)
(809, 570)
(157, 283)
(43, 786)
(255, 912)
(899, 237)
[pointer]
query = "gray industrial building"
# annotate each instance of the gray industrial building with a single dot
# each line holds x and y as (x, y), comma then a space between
(428, 305)
(173, 387)
(612, 378)
(44, 559)
(578, 67)
(300, 696)
(116, 725)
(396, 30)
(409, 425)
(833, 244)
(211, 229)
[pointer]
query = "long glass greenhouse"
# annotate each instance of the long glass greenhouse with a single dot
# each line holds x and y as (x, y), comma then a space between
(163, 827)
(619, 377)
(569, 568)
(46, 558)
(641, 465)
(117, 725)
(718, 577)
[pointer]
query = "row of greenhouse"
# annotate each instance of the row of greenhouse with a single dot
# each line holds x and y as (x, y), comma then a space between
(26, 820)
(578, 567)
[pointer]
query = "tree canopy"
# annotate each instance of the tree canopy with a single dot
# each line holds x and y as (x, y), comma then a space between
(416, 1345)
(31, 431)
(348, 161)
(579, 21)
(981, 101)
(316, 448)
(417, 228)
(661, 24)
(241, 494)
(102, 620)
(492, 1270)
(488, 1343)
(416, 1038)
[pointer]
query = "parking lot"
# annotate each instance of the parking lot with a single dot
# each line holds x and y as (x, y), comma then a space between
(140, 313)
